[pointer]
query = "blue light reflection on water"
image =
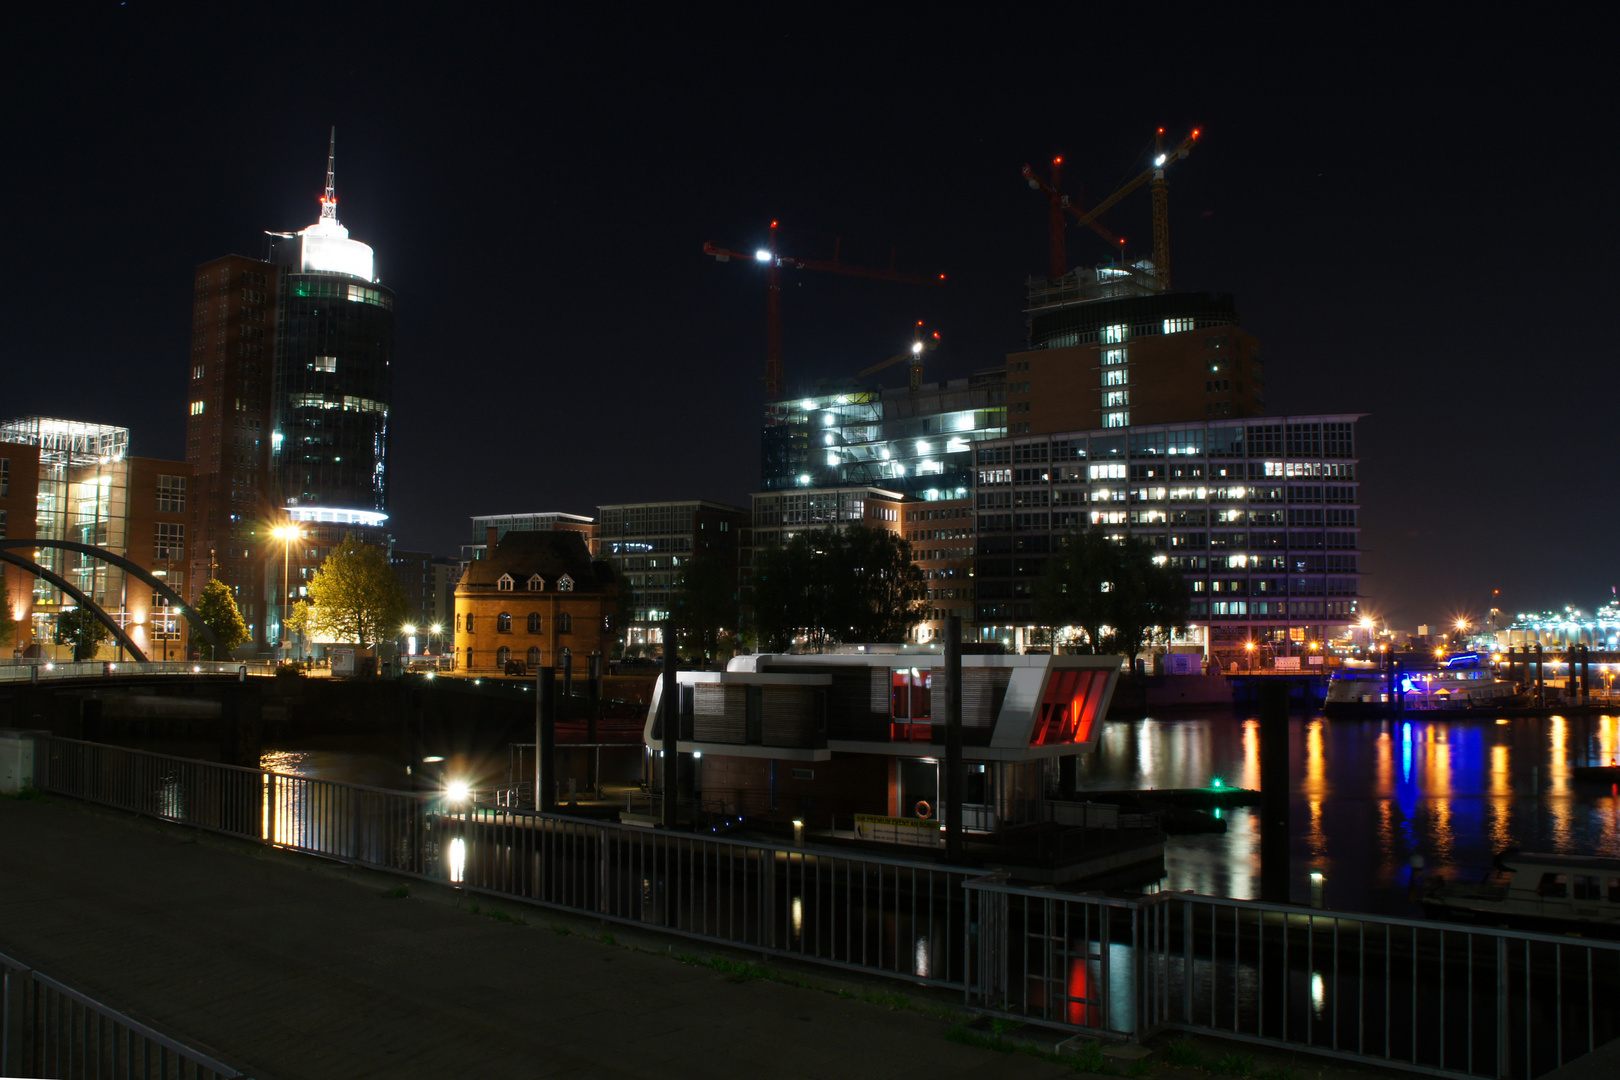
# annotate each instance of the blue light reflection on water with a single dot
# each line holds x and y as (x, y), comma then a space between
(1454, 791)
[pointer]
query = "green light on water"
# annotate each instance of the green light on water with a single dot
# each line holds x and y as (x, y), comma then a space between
(1215, 782)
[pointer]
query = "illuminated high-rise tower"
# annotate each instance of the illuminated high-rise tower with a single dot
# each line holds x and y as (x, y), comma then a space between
(292, 387)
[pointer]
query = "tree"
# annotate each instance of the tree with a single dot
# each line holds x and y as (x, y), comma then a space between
(8, 625)
(705, 605)
(81, 629)
(357, 595)
(1093, 581)
(301, 620)
(855, 584)
(217, 610)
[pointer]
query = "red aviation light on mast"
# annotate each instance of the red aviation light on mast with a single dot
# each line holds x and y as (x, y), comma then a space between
(329, 200)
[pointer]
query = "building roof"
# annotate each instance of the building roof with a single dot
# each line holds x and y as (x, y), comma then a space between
(549, 554)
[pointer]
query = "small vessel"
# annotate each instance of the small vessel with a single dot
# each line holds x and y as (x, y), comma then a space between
(1556, 891)
(1459, 681)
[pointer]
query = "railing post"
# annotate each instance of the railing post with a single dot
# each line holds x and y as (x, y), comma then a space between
(1186, 961)
(1504, 1045)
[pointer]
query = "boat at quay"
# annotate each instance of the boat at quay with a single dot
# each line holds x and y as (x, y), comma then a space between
(1546, 890)
(1463, 682)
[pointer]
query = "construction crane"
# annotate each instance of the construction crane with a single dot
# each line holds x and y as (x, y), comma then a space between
(1161, 203)
(915, 354)
(774, 263)
(1059, 204)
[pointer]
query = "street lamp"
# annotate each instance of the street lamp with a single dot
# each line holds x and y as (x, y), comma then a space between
(1248, 647)
(286, 533)
(436, 629)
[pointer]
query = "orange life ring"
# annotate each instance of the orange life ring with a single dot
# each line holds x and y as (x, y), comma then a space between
(923, 810)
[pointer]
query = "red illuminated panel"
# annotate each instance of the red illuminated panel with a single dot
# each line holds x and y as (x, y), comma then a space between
(1069, 709)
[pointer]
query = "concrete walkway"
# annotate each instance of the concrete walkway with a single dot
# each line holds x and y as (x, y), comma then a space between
(293, 968)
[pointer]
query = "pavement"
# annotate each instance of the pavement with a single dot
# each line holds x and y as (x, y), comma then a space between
(290, 967)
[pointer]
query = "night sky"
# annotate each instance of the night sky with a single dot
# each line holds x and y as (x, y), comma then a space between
(1414, 212)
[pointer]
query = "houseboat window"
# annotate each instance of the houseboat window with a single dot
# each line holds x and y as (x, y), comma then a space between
(1553, 885)
(1614, 890)
(1588, 888)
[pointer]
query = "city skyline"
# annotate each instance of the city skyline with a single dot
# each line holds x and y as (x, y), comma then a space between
(554, 292)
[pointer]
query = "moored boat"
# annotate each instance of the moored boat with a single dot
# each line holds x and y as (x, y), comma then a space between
(1539, 888)
(1463, 681)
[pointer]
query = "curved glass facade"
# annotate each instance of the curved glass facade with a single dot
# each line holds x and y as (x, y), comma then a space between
(334, 389)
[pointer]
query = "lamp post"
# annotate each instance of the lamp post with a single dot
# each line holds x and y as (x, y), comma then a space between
(1248, 647)
(286, 533)
(436, 630)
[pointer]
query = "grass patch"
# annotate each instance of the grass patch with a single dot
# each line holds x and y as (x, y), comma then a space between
(506, 917)
(1088, 1058)
(1234, 1065)
(1140, 1067)
(1182, 1053)
(888, 999)
(29, 794)
(560, 930)
(398, 892)
(608, 939)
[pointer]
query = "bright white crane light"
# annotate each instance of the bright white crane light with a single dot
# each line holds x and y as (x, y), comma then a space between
(916, 346)
(1159, 161)
(762, 255)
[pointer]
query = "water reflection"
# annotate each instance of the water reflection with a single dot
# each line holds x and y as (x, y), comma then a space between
(1368, 795)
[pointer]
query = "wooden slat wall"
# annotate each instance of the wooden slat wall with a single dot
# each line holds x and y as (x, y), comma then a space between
(791, 716)
(983, 690)
(720, 713)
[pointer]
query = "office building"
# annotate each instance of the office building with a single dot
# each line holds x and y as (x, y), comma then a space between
(550, 521)
(1105, 351)
(646, 544)
(429, 583)
(75, 481)
(943, 540)
(1260, 518)
(915, 442)
(291, 387)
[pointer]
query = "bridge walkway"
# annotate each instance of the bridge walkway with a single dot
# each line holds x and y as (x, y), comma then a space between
(290, 968)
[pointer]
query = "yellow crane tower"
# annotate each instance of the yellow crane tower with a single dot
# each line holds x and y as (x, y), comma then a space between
(914, 354)
(1161, 203)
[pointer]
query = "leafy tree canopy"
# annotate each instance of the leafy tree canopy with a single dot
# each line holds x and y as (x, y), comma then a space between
(357, 595)
(1113, 590)
(854, 584)
(705, 608)
(81, 629)
(218, 611)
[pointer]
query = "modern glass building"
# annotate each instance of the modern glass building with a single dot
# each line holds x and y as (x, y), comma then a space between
(334, 380)
(916, 442)
(1260, 517)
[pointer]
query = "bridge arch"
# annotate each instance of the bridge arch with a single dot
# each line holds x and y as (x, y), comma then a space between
(113, 558)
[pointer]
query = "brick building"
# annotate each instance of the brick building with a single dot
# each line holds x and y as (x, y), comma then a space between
(534, 597)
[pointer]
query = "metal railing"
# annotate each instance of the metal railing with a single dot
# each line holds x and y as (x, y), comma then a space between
(1435, 998)
(880, 915)
(48, 1029)
(1428, 997)
(39, 670)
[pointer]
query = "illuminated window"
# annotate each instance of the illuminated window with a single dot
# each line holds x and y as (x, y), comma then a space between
(1116, 419)
(1113, 356)
(324, 363)
(1115, 378)
(196, 408)
(1176, 326)
(1113, 335)
(565, 584)
(1115, 398)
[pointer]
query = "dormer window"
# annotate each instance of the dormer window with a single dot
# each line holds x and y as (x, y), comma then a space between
(565, 584)
(537, 583)
(504, 583)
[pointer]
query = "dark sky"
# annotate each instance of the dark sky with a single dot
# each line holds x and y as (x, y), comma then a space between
(1414, 212)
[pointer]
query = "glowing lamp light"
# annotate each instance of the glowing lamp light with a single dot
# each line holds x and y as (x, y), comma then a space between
(916, 346)
(1215, 782)
(1159, 160)
(457, 791)
(762, 255)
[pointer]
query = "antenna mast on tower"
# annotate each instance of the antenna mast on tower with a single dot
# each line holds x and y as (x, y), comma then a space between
(329, 200)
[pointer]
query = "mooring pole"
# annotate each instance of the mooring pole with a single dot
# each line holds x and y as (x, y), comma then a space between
(593, 719)
(671, 709)
(955, 767)
(545, 739)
